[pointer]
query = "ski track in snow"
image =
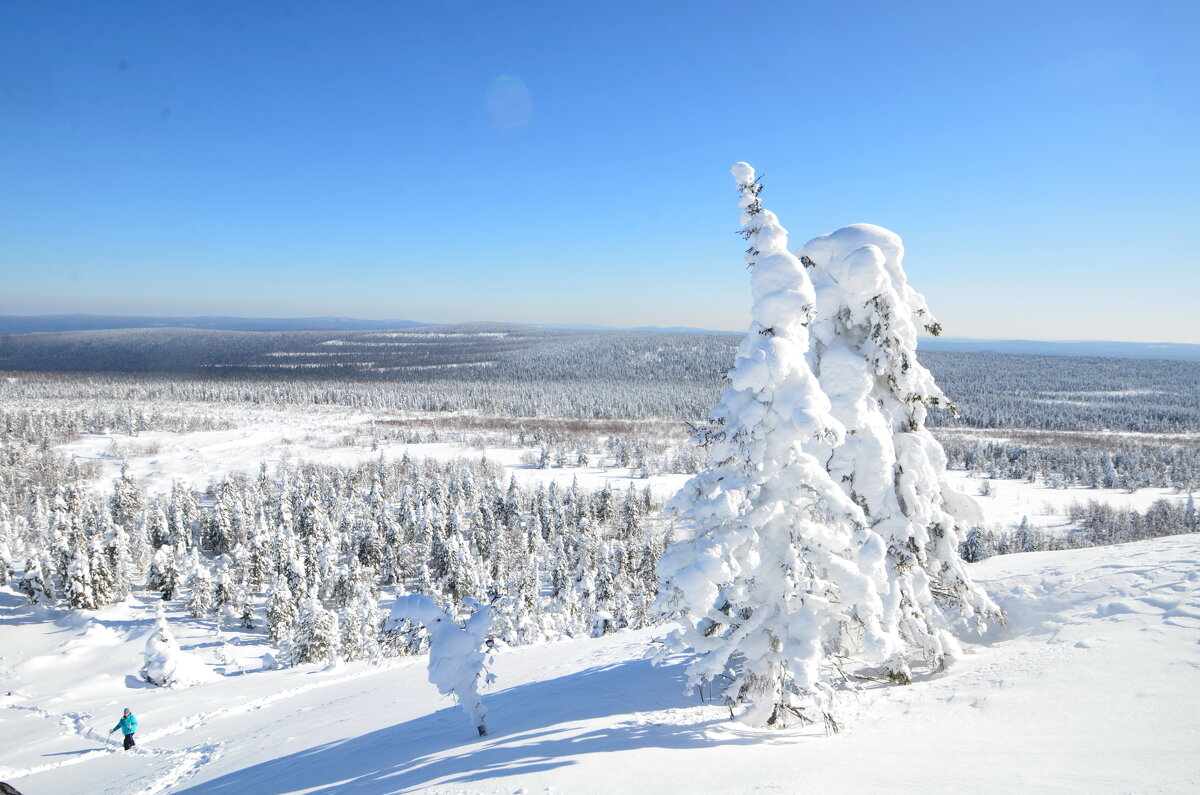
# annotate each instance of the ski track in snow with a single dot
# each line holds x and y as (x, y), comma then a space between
(183, 763)
(74, 723)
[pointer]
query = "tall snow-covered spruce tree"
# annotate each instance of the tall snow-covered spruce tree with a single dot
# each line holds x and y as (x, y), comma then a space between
(782, 572)
(823, 535)
(864, 341)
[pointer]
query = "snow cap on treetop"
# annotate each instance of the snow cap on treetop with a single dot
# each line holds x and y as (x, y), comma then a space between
(781, 290)
(833, 246)
(861, 272)
(828, 251)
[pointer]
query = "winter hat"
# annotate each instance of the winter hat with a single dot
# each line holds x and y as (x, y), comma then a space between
(127, 709)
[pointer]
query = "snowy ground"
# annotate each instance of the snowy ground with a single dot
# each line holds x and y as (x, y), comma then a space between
(156, 458)
(1011, 501)
(1092, 687)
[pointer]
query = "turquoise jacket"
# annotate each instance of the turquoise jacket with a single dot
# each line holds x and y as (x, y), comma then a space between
(127, 724)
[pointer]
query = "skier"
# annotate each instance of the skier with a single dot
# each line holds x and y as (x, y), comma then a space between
(128, 725)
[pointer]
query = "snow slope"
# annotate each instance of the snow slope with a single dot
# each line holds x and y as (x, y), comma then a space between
(1092, 687)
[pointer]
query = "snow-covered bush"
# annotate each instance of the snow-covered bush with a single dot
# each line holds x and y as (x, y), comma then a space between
(167, 665)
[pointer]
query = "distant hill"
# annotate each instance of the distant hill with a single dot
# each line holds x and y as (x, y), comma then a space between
(637, 329)
(427, 352)
(19, 324)
(32, 324)
(1120, 350)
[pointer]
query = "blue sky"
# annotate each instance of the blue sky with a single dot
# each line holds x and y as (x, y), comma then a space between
(568, 162)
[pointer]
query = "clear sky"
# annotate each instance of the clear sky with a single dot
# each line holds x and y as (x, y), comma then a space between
(568, 162)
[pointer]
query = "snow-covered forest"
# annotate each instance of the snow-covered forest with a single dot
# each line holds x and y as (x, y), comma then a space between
(272, 551)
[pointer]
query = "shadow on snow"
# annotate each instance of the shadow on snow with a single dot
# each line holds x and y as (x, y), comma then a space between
(535, 728)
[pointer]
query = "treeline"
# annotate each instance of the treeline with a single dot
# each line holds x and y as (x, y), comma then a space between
(590, 396)
(1093, 524)
(304, 553)
(1122, 463)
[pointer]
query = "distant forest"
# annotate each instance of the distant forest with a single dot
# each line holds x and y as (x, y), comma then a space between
(1090, 421)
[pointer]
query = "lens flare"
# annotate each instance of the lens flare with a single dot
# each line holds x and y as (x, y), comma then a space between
(508, 104)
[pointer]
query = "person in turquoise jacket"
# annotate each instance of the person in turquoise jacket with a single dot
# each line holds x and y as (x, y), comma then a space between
(128, 725)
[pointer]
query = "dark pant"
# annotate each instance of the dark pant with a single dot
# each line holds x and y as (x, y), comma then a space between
(129, 743)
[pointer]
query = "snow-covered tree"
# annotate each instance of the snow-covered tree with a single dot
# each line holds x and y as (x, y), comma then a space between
(864, 341)
(782, 572)
(80, 584)
(200, 601)
(125, 504)
(224, 589)
(119, 563)
(164, 572)
(281, 610)
(34, 582)
(977, 546)
(243, 606)
(182, 516)
(158, 531)
(463, 575)
(360, 617)
(457, 654)
(315, 635)
(8, 543)
(167, 665)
